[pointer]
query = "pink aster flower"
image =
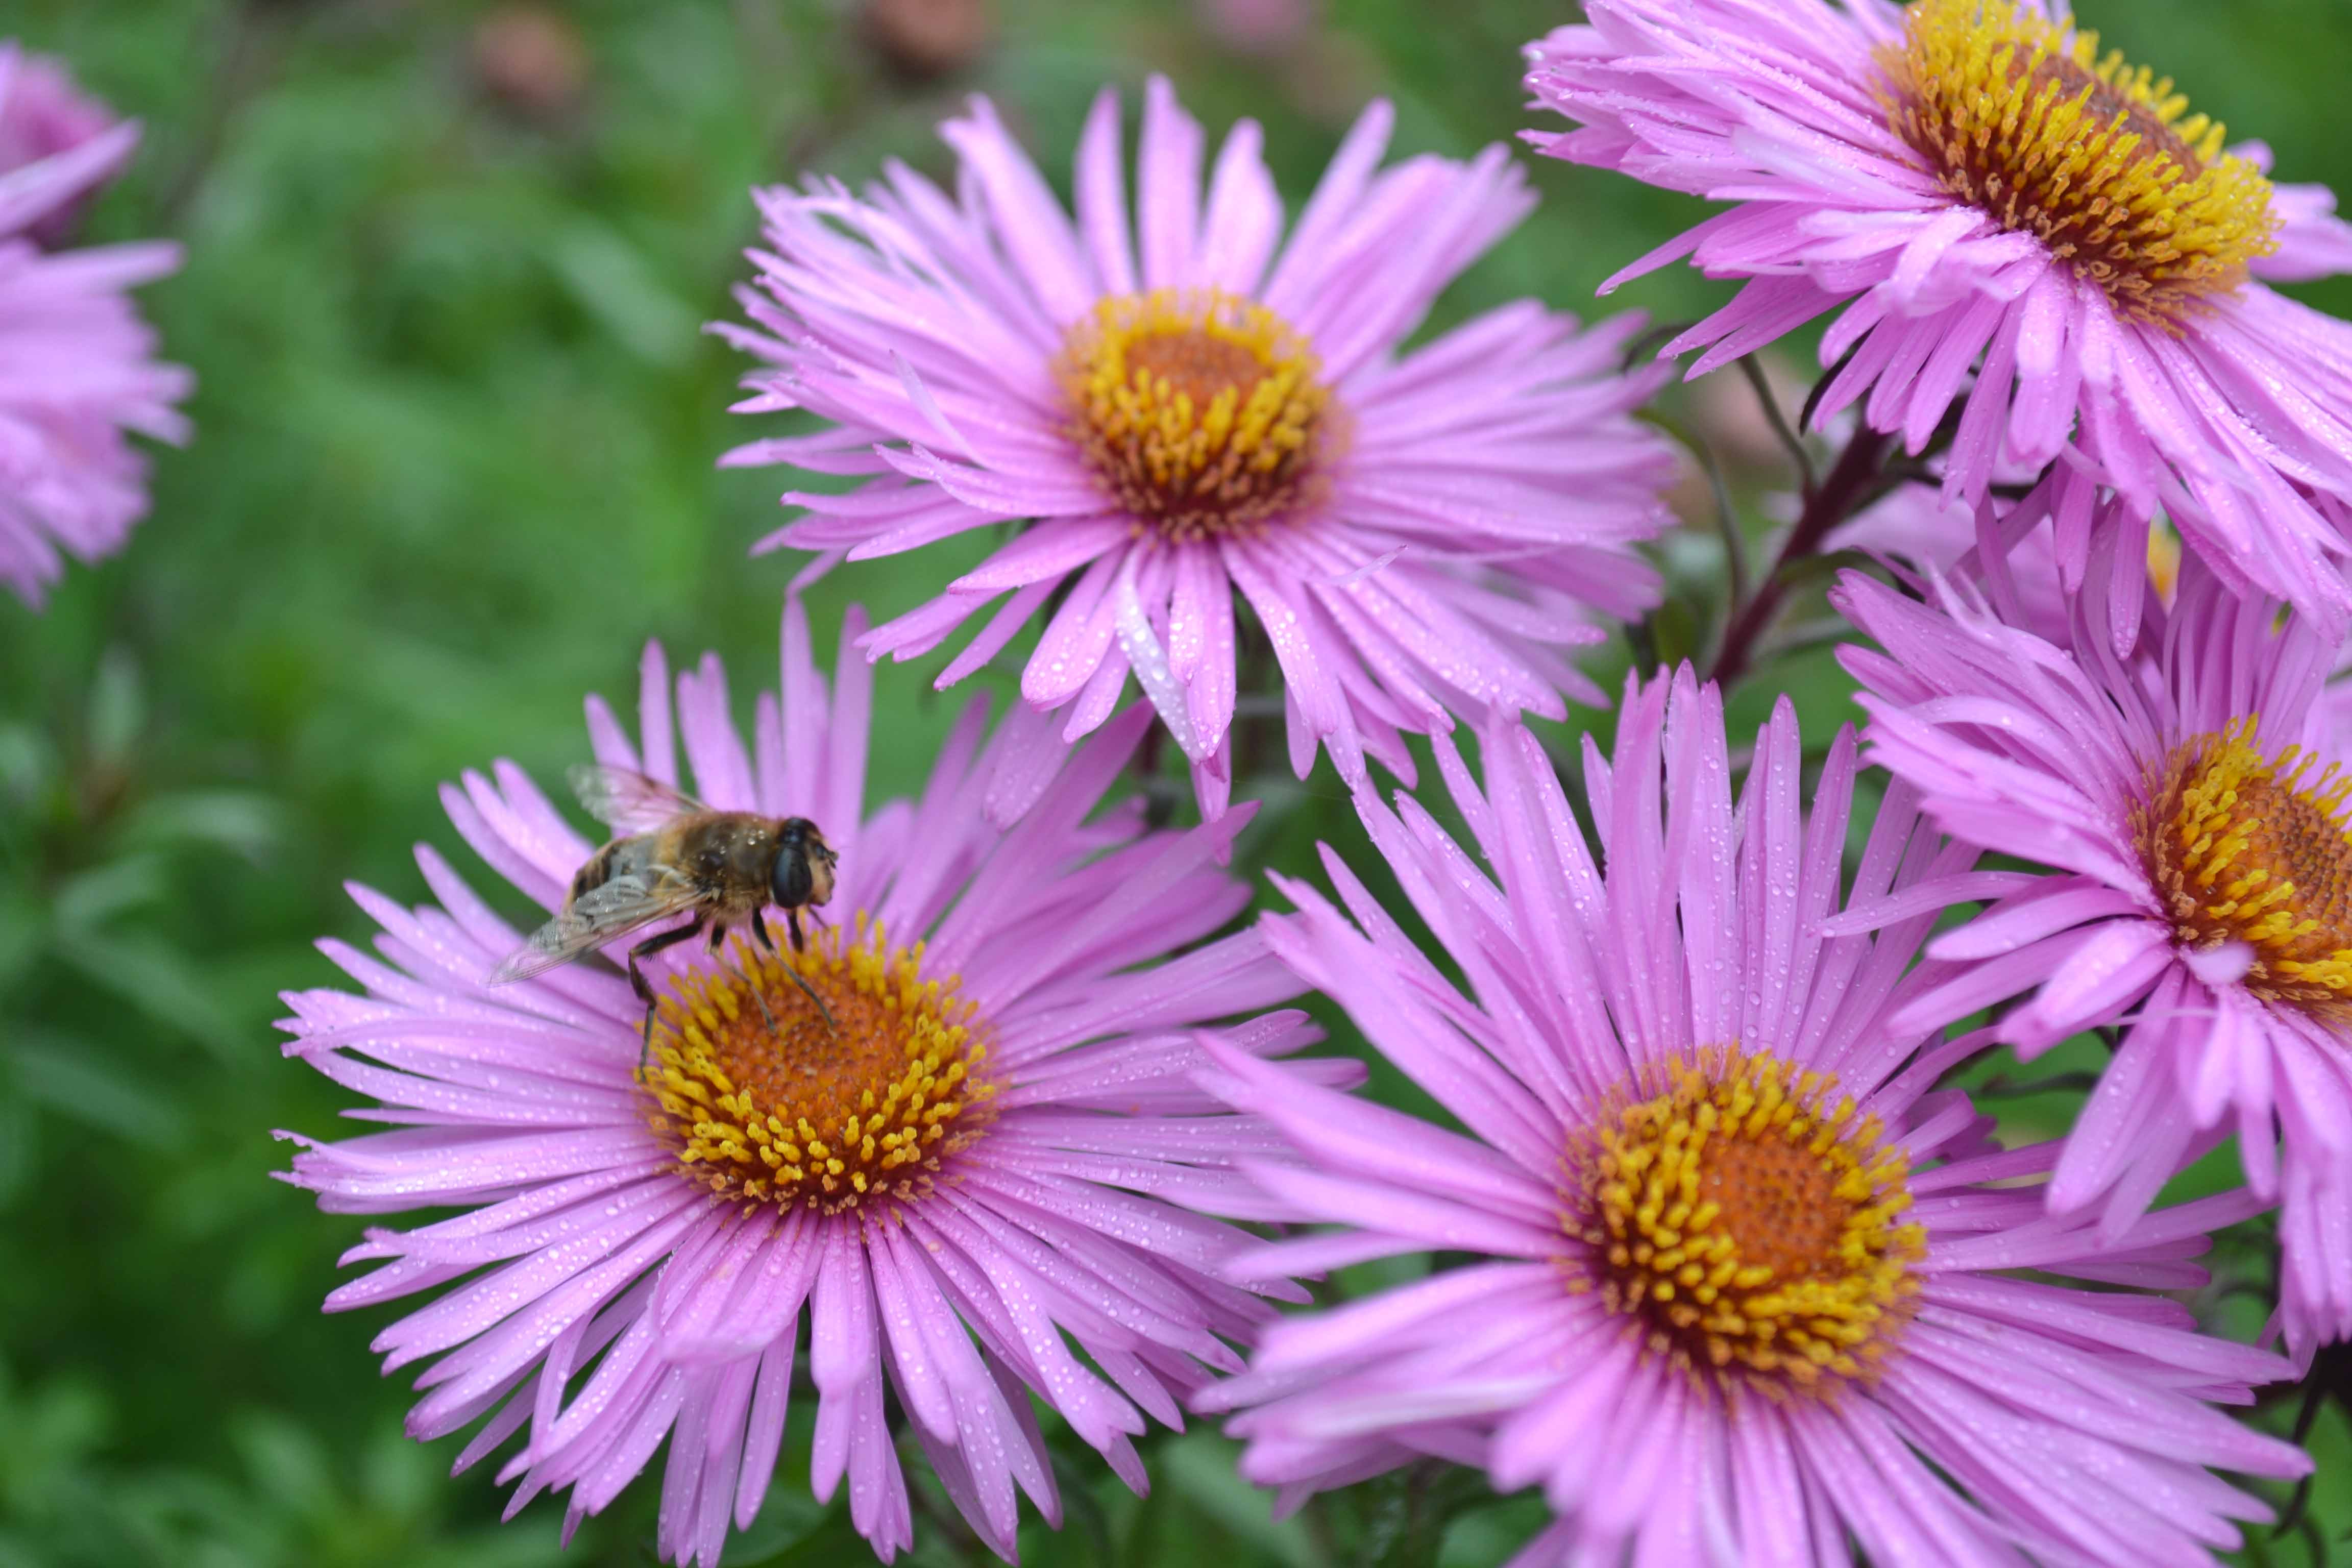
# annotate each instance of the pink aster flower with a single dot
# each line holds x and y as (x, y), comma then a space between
(43, 114)
(1746, 1281)
(963, 1181)
(1948, 176)
(1202, 408)
(1917, 531)
(2188, 806)
(77, 372)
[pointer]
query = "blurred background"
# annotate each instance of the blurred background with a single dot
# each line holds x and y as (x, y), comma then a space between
(446, 265)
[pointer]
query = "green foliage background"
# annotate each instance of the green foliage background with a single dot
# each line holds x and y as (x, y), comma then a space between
(454, 466)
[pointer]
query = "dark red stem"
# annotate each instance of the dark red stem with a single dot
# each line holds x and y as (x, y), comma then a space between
(1830, 504)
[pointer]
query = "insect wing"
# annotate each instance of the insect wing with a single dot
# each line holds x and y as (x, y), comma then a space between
(626, 801)
(600, 915)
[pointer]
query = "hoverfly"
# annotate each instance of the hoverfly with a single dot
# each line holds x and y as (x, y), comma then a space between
(676, 856)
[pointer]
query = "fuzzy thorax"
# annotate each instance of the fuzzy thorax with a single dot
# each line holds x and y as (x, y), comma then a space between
(807, 1114)
(1202, 413)
(2022, 118)
(1748, 1221)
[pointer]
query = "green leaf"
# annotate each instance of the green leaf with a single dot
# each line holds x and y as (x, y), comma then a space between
(24, 935)
(161, 982)
(240, 821)
(77, 1077)
(27, 762)
(831, 1540)
(788, 1517)
(1201, 1466)
(1674, 633)
(87, 900)
(287, 1463)
(117, 709)
(612, 281)
(1822, 568)
(20, 1140)
(1490, 1536)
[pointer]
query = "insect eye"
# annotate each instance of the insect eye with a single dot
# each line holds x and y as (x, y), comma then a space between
(791, 882)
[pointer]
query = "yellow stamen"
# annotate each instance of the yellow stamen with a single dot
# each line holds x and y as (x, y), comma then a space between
(2244, 847)
(1201, 412)
(1749, 1221)
(2164, 560)
(2022, 116)
(808, 1114)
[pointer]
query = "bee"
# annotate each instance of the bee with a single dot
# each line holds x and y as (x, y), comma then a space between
(676, 856)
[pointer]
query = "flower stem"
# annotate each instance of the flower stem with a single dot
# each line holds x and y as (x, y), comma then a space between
(1791, 442)
(1828, 504)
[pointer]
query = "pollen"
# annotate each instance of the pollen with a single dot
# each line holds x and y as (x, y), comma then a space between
(1201, 412)
(2022, 116)
(2248, 848)
(1748, 1222)
(807, 1114)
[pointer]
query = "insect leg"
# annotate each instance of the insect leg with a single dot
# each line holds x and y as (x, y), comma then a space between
(793, 924)
(719, 936)
(768, 941)
(826, 1013)
(645, 990)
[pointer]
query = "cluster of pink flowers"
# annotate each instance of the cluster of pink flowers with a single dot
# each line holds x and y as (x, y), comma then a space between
(1749, 1278)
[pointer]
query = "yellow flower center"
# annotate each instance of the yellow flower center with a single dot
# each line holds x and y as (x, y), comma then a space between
(804, 1113)
(2243, 848)
(2022, 118)
(1748, 1222)
(1201, 412)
